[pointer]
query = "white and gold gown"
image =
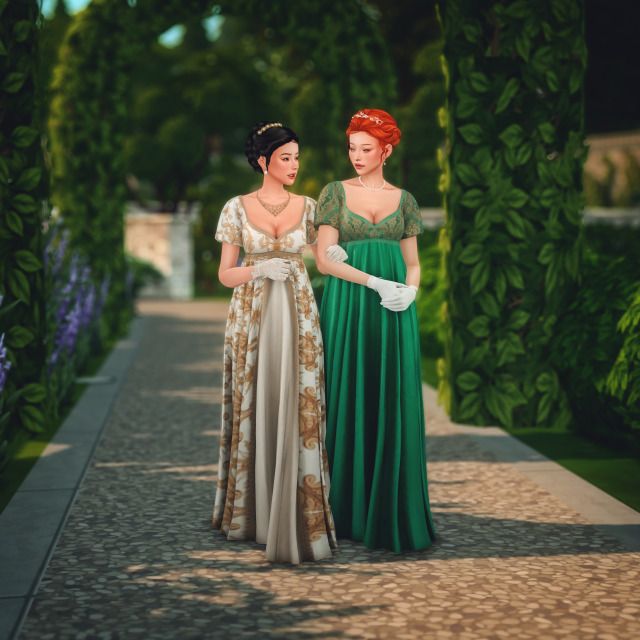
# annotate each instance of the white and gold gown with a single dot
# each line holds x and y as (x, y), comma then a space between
(273, 475)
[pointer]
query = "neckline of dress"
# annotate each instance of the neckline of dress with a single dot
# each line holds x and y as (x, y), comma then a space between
(375, 224)
(266, 233)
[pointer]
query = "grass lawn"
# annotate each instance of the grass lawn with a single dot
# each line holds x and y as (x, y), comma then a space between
(612, 470)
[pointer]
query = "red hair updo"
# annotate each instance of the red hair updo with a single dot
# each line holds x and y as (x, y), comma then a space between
(376, 123)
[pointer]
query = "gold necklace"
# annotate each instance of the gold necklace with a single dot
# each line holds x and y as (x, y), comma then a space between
(274, 209)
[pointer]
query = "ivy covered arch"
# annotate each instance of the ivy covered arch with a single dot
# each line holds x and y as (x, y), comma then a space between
(349, 66)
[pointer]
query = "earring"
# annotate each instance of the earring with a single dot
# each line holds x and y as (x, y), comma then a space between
(384, 164)
(266, 173)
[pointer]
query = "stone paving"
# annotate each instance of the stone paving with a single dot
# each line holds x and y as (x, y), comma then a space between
(138, 558)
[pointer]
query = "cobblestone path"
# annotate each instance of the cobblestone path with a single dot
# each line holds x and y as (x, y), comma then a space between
(138, 558)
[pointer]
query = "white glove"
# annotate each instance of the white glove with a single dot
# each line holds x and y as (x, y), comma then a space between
(401, 299)
(336, 253)
(385, 288)
(274, 268)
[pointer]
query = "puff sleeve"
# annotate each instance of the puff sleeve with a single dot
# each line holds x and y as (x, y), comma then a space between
(229, 224)
(412, 219)
(312, 234)
(328, 209)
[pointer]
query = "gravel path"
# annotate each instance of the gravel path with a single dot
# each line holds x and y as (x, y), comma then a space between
(138, 558)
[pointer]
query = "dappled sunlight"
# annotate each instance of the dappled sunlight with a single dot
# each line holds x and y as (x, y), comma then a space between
(198, 473)
(54, 447)
(204, 395)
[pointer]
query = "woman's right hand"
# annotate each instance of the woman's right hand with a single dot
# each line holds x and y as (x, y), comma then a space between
(273, 268)
(385, 288)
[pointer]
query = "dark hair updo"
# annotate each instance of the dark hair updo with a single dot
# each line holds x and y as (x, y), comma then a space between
(264, 139)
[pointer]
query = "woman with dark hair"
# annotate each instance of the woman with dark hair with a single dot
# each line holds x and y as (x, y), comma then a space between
(375, 420)
(272, 474)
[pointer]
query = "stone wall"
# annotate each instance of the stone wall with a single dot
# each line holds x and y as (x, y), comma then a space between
(166, 241)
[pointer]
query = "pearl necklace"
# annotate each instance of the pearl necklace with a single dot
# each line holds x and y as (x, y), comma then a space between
(274, 209)
(380, 188)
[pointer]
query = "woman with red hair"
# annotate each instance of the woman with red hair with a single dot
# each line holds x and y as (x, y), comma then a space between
(375, 419)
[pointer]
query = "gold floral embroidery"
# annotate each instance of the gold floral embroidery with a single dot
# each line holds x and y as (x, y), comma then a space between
(234, 508)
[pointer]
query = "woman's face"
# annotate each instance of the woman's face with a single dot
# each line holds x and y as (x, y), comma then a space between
(283, 165)
(365, 152)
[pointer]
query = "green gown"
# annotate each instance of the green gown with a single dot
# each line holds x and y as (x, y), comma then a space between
(375, 435)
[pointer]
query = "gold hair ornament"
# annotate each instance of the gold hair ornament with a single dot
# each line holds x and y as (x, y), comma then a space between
(261, 130)
(362, 114)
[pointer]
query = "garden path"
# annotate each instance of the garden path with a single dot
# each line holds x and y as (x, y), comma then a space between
(138, 558)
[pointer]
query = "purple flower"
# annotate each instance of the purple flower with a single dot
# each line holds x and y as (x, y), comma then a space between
(5, 364)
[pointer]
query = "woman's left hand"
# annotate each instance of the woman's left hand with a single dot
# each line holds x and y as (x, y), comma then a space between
(401, 298)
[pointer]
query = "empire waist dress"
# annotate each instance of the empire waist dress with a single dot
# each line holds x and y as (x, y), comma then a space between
(375, 416)
(273, 479)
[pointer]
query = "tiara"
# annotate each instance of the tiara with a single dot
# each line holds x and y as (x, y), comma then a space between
(362, 114)
(261, 130)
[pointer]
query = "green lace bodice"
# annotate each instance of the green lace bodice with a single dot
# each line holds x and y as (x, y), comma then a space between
(404, 222)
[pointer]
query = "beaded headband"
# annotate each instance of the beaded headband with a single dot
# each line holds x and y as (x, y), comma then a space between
(261, 130)
(362, 114)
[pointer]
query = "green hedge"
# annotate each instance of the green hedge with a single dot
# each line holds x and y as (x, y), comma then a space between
(22, 318)
(512, 184)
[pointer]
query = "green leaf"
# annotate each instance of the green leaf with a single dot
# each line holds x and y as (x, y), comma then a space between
(471, 253)
(472, 32)
(23, 137)
(466, 106)
(516, 197)
(523, 45)
(470, 405)
(24, 203)
(512, 136)
(4, 171)
(510, 90)
(509, 348)
(476, 356)
(468, 381)
(575, 79)
(514, 276)
(19, 285)
(467, 174)
(545, 382)
(500, 286)
(479, 326)
(498, 405)
(32, 418)
(34, 392)
(479, 276)
(27, 261)
(552, 80)
(518, 319)
(515, 224)
(19, 337)
(472, 133)
(544, 408)
(14, 222)
(479, 81)
(28, 179)
(547, 131)
(21, 30)
(472, 198)
(546, 253)
(3, 49)
(13, 82)
(489, 305)
(549, 197)
(523, 154)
